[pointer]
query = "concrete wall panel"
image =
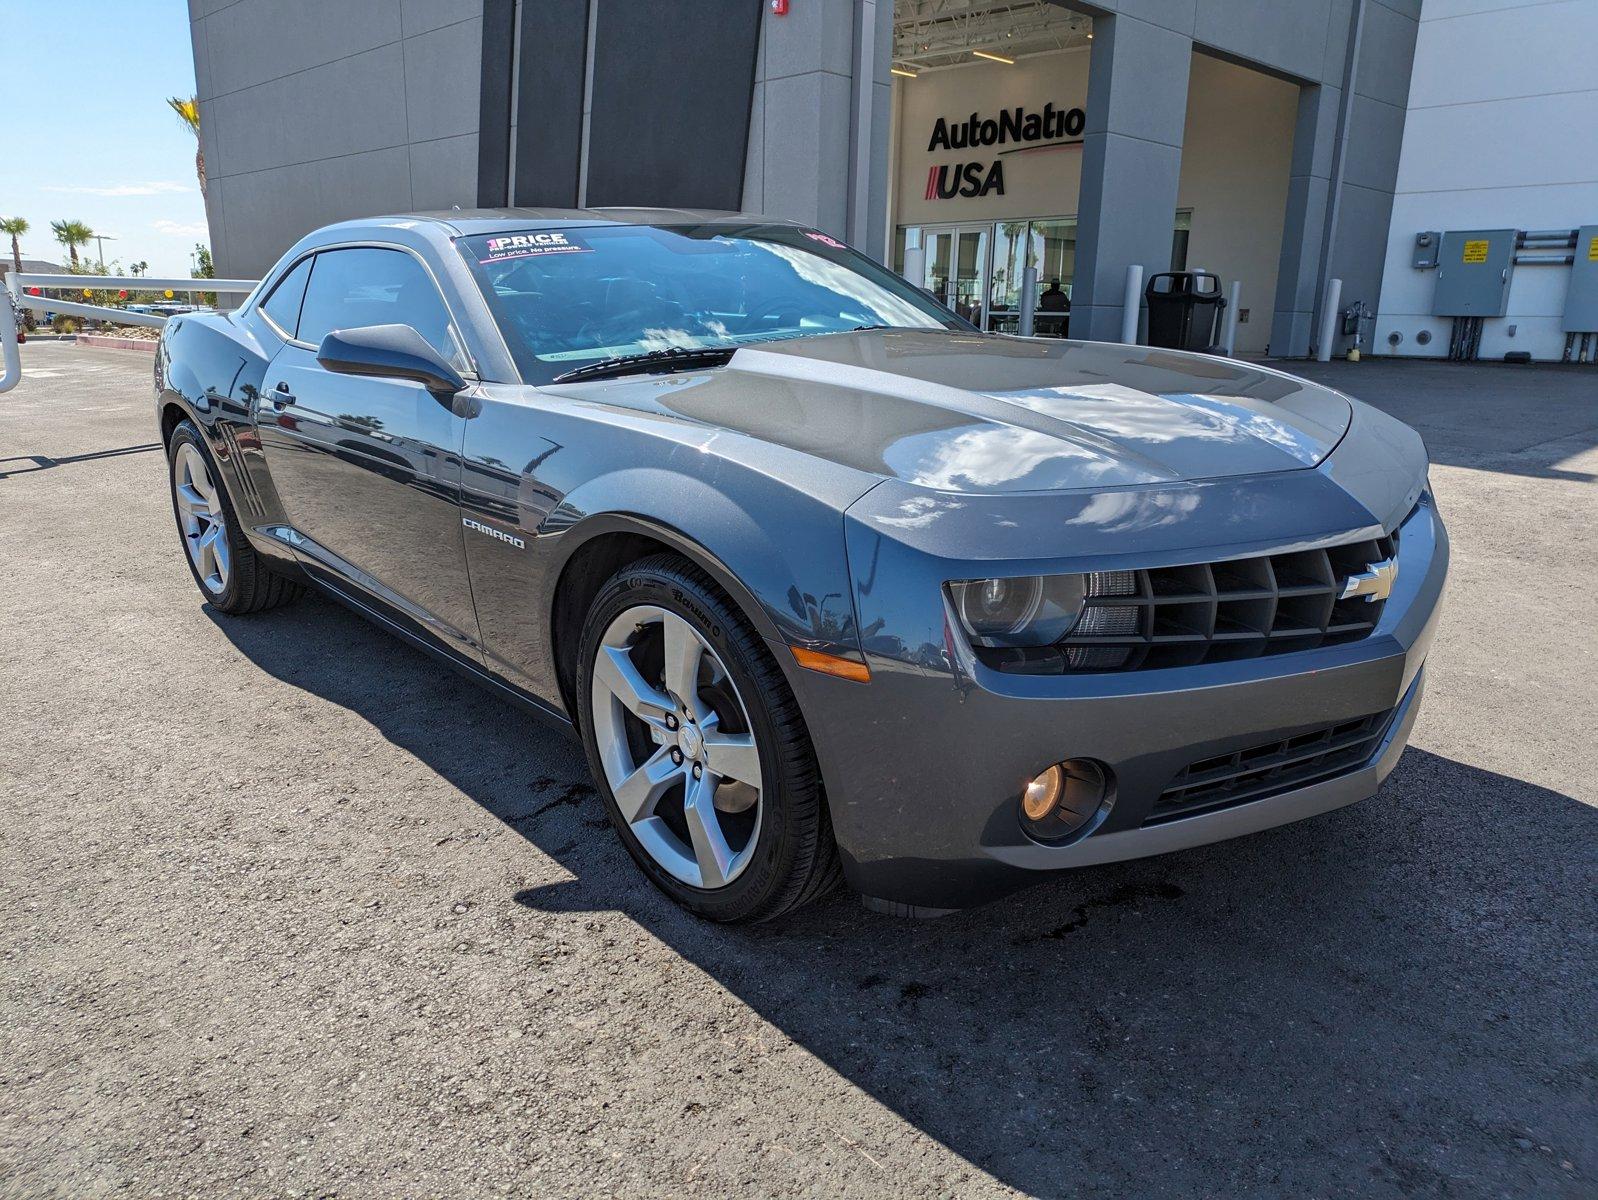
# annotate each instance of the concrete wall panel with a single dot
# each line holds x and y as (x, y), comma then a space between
(1131, 164)
(1283, 35)
(1176, 15)
(794, 145)
(444, 173)
(257, 41)
(365, 92)
(1371, 158)
(1386, 52)
(438, 103)
(420, 16)
(1355, 259)
(812, 37)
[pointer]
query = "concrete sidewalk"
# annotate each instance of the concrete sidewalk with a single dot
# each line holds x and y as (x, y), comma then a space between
(288, 909)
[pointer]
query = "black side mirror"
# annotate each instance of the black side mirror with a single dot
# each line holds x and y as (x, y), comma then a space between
(392, 352)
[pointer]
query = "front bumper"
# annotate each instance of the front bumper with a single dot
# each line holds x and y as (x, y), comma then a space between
(924, 765)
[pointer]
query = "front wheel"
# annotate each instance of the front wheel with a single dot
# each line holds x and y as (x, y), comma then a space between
(699, 747)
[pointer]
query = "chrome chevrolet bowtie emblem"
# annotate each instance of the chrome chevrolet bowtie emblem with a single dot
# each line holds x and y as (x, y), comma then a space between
(1375, 582)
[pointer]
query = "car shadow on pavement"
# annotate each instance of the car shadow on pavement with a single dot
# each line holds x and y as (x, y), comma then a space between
(1397, 998)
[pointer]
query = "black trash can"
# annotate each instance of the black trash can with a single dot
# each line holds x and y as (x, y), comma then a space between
(1184, 307)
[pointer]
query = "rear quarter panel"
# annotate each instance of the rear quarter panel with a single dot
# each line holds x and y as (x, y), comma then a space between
(210, 369)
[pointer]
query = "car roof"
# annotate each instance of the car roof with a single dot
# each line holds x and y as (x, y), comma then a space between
(472, 221)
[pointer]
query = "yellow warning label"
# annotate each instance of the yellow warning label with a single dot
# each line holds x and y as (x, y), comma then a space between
(1476, 250)
(1592, 250)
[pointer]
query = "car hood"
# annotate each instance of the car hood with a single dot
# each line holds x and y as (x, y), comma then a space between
(981, 413)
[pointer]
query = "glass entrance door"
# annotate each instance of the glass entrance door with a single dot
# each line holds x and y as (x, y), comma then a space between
(1049, 246)
(957, 269)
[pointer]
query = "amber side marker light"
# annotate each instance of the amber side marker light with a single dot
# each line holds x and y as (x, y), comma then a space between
(831, 664)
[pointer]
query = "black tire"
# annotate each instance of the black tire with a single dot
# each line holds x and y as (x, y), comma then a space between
(795, 858)
(251, 586)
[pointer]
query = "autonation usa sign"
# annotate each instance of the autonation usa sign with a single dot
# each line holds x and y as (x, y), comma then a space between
(1018, 127)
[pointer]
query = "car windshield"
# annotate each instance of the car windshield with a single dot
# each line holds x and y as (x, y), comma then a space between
(570, 296)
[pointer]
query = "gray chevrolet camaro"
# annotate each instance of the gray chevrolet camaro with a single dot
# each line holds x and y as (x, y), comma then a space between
(829, 583)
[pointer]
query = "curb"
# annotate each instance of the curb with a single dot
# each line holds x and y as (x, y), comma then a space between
(116, 343)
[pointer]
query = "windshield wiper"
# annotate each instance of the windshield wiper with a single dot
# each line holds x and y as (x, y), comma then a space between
(676, 357)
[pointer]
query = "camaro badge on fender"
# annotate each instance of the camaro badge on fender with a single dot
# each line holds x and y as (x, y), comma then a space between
(493, 533)
(1375, 582)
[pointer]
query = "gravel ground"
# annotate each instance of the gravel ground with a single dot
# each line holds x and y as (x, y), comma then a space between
(288, 910)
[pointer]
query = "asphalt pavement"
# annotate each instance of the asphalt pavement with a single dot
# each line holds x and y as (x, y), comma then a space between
(289, 910)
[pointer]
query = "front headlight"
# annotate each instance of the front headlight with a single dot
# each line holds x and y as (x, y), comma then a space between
(1032, 610)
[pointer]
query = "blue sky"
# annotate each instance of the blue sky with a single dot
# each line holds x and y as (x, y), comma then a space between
(77, 142)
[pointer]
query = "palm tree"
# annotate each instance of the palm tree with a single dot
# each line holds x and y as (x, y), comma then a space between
(188, 111)
(16, 227)
(72, 234)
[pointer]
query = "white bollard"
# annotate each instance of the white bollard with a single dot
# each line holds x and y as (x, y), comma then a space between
(1229, 338)
(1132, 304)
(1334, 295)
(915, 265)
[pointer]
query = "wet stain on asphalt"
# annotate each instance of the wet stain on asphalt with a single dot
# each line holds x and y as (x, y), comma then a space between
(1120, 898)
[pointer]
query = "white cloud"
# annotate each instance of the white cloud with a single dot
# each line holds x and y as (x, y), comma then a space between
(179, 229)
(159, 187)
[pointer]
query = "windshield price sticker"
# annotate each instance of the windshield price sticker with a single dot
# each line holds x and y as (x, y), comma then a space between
(532, 245)
(825, 240)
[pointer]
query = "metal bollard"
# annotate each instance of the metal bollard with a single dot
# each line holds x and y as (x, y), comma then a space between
(1334, 294)
(1229, 337)
(1029, 302)
(1132, 304)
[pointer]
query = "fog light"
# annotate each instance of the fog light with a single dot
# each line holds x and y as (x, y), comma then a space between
(1063, 799)
(1043, 793)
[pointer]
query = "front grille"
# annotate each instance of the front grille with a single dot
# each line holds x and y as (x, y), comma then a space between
(1271, 768)
(1213, 612)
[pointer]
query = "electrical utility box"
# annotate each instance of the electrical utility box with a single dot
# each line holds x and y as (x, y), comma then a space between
(1581, 301)
(1426, 247)
(1473, 272)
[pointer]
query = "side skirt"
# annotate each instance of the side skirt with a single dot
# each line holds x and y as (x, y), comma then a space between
(545, 712)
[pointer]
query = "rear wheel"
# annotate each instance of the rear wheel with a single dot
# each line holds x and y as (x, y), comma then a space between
(697, 743)
(230, 574)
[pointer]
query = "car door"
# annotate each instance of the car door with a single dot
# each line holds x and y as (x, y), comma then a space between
(368, 468)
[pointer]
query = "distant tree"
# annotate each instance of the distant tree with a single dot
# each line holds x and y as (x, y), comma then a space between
(188, 111)
(72, 234)
(204, 269)
(16, 227)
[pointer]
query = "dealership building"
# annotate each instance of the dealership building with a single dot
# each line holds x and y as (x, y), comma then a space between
(1278, 144)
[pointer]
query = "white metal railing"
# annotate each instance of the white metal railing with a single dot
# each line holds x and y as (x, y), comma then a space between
(15, 295)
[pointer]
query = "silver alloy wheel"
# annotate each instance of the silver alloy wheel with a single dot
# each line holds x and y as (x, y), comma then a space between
(200, 516)
(677, 747)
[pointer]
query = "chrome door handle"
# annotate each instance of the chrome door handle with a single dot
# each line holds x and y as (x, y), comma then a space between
(281, 396)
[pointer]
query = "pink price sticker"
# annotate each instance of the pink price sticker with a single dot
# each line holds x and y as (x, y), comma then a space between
(825, 240)
(531, 245)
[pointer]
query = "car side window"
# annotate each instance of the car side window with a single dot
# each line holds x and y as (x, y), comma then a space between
(366, 285)
(283, 305)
